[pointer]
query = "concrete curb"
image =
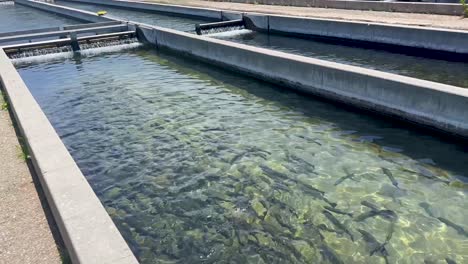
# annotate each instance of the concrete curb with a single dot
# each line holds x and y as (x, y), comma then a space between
(87, 230)
(454, 8)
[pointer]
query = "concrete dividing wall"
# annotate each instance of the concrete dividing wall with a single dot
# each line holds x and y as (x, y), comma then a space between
(436, 105)
(65, 11)
(206, 13)
(87, 230)
(71, 27)
(443, 7)
(415, 37)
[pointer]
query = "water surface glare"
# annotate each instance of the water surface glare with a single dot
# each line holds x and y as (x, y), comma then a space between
(14, 17)
(197, 165)
(151, 18)
(448, 72)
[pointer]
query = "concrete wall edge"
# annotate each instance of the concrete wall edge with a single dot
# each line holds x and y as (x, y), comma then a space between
(89, 233)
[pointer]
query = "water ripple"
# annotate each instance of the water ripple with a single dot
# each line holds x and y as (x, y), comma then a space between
(196, 165)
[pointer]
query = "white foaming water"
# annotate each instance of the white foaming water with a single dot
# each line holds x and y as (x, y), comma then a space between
(40, 52)
(230, 34)
(6, 3)
(114, 48)
(211, 31)
(66, 52)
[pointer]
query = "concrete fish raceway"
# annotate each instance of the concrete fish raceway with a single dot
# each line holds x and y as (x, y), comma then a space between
(88, 231)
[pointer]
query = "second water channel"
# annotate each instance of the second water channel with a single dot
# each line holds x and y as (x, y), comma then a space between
(448, 72)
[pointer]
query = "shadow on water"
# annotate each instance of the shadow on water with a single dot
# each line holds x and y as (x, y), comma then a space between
(391, 134)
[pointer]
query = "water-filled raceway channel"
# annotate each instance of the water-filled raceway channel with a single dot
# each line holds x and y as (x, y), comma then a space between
(198, 164)
(442, 71)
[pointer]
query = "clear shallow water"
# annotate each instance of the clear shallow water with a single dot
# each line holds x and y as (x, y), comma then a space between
(196, 165)
(16, 17)
(453, 73)
(167, 21)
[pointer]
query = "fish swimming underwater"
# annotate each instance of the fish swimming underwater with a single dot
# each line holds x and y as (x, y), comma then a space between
(337, 223)
(338, 211)
(460, 230)
(450, 261)
(375, 211)
(329, 255)
(375, 248)
(390, 176)
(342, 179)
(310, 190)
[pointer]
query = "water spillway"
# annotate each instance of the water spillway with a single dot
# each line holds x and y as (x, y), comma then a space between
(195, 164)
(66, 40)
(218, 27)
(45, 53)
(15, 17)
(151, 18)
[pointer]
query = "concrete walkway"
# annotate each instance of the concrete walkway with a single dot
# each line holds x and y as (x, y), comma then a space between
(25, 234)
(426, 20)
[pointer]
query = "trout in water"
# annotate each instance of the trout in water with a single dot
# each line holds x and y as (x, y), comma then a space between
(337, 223)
